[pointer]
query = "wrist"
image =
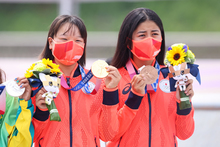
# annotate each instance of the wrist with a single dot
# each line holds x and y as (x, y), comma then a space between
(138, 92)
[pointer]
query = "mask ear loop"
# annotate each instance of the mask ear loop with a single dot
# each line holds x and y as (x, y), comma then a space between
(128, 40)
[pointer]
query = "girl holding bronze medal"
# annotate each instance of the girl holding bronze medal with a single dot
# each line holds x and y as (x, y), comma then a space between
(78, 101)
(147, 114)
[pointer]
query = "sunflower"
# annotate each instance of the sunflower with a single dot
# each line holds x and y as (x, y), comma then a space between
(47, 62)
(28, 74)
(176, 55)
(50, 64)
(55, 70)
(32, 67)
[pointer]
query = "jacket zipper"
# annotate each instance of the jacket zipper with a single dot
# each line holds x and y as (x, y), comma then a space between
(96, 142)
(119, 142)
(70, 115)
(174, 141)
(149, 101)
(39, 142)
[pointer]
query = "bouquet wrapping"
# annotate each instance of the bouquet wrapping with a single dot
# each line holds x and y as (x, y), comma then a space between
(180, 61)
(45, 73)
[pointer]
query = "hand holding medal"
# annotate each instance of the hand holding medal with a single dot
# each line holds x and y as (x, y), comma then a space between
(18, 87)
(100, 69)
(13, 89)
(150, 74)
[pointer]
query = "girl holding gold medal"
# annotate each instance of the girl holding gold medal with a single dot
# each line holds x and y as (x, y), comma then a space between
(78, 101)
(147, 113)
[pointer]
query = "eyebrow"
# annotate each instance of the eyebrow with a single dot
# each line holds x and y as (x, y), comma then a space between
(141, 32)
(64, 34)
(155, 30)
(146, 31)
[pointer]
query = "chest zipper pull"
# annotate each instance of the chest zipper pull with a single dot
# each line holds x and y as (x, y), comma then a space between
(68, 81)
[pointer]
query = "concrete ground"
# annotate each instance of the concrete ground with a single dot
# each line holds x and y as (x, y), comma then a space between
(206, 99)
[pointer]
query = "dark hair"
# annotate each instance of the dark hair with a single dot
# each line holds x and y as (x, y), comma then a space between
(129, 25)
(2, 76)
(54, 28)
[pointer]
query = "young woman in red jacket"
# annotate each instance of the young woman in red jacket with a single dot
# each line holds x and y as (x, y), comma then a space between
(79, 110)
(145, 115)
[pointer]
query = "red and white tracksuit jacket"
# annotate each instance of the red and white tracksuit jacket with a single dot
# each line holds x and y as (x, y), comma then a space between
(150, 120)
(79, 114)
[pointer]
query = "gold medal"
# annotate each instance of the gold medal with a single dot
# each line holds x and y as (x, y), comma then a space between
(99, 69)
(150, 73)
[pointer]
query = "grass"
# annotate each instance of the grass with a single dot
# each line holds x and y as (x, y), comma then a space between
(177, 15)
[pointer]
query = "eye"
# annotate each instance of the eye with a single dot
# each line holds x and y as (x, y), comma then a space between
(155, 34)
(173, 74)
(50, 83)
(141, 35)
(63, 39)
(182, 72)
(79, 41)
(58, 85)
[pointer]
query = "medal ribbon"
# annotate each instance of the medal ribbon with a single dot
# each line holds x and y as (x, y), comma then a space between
(83, 82)
(149, 87)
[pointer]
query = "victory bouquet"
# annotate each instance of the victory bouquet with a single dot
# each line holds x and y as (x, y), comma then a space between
(45, 73)
(180, 61)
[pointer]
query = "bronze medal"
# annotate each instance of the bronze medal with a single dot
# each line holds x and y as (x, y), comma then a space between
(150, 73)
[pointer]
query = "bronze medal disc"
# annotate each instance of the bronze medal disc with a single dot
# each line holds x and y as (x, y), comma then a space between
(150, 73)
(99, 69)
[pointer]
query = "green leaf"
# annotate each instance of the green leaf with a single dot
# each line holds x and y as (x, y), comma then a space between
(36, 74)
(46, 71)
(187, 60)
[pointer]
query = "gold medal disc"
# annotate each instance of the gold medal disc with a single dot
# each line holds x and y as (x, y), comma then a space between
(150, 73)
(99, 69)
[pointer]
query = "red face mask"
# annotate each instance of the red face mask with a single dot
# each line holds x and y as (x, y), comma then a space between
(146, 49)
(67, 53)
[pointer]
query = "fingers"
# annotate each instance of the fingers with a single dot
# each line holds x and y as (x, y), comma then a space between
(138, 84)
(42, 91)
(113, 78)
(177, 93)
(138, 80)
(40, 101)
(22, 82)
(113, 71)
(189, 88)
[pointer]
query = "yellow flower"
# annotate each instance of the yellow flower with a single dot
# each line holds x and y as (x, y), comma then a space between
(46, 61)
(55, 70)
(28, 74)
(49, 64)
(176, 55)
(32, 67)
